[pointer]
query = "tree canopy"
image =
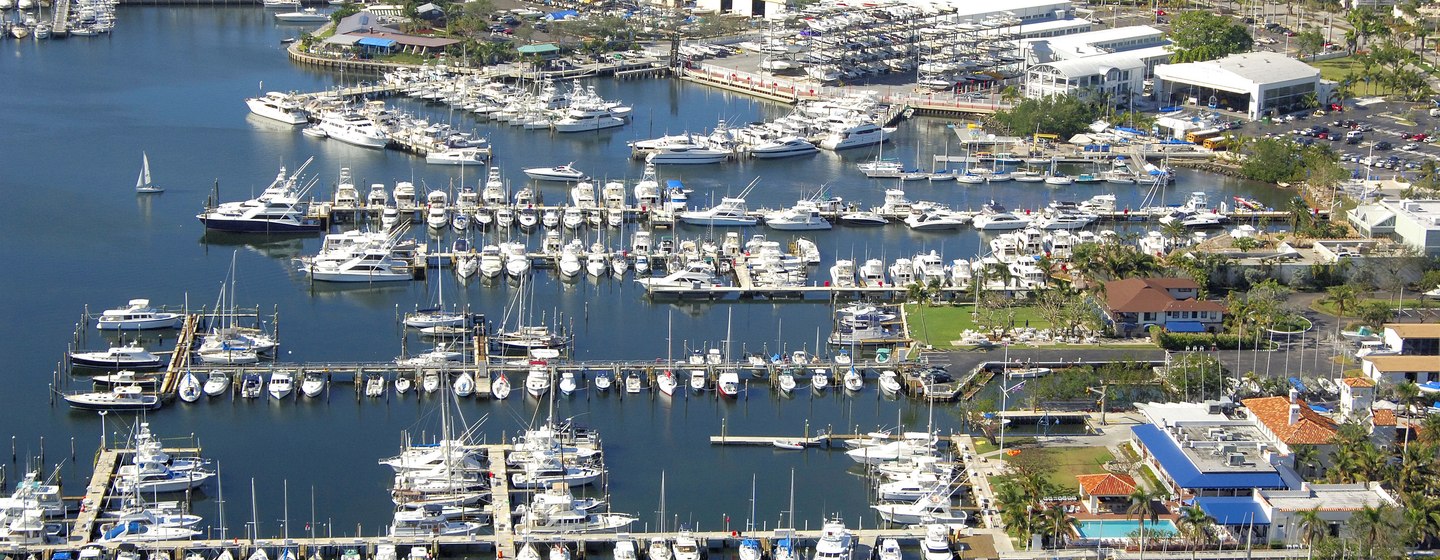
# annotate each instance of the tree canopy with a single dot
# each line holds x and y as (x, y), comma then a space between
(1197, 35)
(1061, 115)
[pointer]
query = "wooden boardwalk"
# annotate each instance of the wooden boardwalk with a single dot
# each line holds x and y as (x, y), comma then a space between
(94, 501)
(180, 360)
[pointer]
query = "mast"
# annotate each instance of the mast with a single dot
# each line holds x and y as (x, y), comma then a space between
(254, 516)
(220, 499)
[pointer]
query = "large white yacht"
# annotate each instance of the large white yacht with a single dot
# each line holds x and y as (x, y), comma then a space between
(583, 120)
(277, 210)
(353, 128)
(695, 274)
(787, 146)
(854, 135)
(279, 107)
(686, 154)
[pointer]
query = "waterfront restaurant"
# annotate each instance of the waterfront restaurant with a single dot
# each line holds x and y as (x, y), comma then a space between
(1195, 450)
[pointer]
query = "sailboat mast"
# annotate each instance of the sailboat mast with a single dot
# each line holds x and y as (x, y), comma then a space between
(220, 498)
(254, 516)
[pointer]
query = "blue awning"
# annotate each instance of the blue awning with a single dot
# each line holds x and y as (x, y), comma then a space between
(1184, 326)
(673, 183)
(377, 42)
(1173, 460)
(1298, 385)
(1233, 510)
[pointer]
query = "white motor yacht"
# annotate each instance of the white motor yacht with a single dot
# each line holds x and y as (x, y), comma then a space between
(999, 221)
(562, 173)
(686, 154)
(353, 128)
(836, 542)
(456, 156)
(137, 315)
(730, 212)
(307, 15)
(783, 147)
(937, 543)
(695, 274)
(587, 119)
(842, 274)
(118, 357)
(854, 135)
(278, 107)
(282, 383)
(935, 220)
(804, 216)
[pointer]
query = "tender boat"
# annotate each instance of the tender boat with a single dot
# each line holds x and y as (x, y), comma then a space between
(312, 383)
(217, 383)
(137, 315)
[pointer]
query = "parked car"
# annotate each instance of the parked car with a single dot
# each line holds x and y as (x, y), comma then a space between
(1383, 145)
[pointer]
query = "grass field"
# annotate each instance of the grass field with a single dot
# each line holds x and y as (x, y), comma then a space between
(1069, 461)
(1337, 68)
(938, 326)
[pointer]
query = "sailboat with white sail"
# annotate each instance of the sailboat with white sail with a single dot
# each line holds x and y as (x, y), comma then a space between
(143, 184)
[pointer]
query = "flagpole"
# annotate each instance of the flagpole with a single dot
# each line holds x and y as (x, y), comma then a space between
(1004, 393)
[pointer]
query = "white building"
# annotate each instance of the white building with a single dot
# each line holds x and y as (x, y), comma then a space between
(1255, 83)
(1118, 74)
(1092, 43)
(1416, 223)
(1272, 515)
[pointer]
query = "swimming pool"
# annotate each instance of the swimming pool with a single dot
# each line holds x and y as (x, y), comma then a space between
(1123, 528)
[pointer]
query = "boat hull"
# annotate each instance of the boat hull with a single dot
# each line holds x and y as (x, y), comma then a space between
(259, 226)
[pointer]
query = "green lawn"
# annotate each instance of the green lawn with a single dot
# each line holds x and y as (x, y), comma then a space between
(1067, 462)
(938, 326)
(1337, 68)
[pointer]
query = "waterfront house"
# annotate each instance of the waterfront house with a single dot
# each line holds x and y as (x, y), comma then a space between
(1133, 305)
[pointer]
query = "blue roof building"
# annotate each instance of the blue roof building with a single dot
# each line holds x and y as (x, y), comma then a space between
(1199, 453)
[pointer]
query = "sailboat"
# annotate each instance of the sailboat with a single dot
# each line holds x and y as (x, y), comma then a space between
(143, 184)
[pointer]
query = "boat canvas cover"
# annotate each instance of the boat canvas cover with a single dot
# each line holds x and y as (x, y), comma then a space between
(674, 184)
(562, 14)
(131, 527)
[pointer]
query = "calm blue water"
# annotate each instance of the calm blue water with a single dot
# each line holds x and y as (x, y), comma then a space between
(171, 82)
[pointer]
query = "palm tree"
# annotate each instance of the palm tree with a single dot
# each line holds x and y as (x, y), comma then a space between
(1142, 505)
(1371, 525)
(1344, 297)
(1311, 526)
(1194, 524)
(1058, 524)
(1174, 231)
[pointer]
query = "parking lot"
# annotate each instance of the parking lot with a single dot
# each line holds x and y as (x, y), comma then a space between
(1388, 136)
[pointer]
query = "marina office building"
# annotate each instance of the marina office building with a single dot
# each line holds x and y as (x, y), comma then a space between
(1416, 223)
(1110, 63)
(1257, 84)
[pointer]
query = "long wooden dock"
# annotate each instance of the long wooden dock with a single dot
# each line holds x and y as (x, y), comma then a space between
(93, 503)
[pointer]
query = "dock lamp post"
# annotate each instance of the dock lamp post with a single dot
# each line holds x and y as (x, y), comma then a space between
(102, 429)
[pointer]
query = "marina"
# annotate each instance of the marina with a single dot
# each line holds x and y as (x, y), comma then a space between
(189, 120)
